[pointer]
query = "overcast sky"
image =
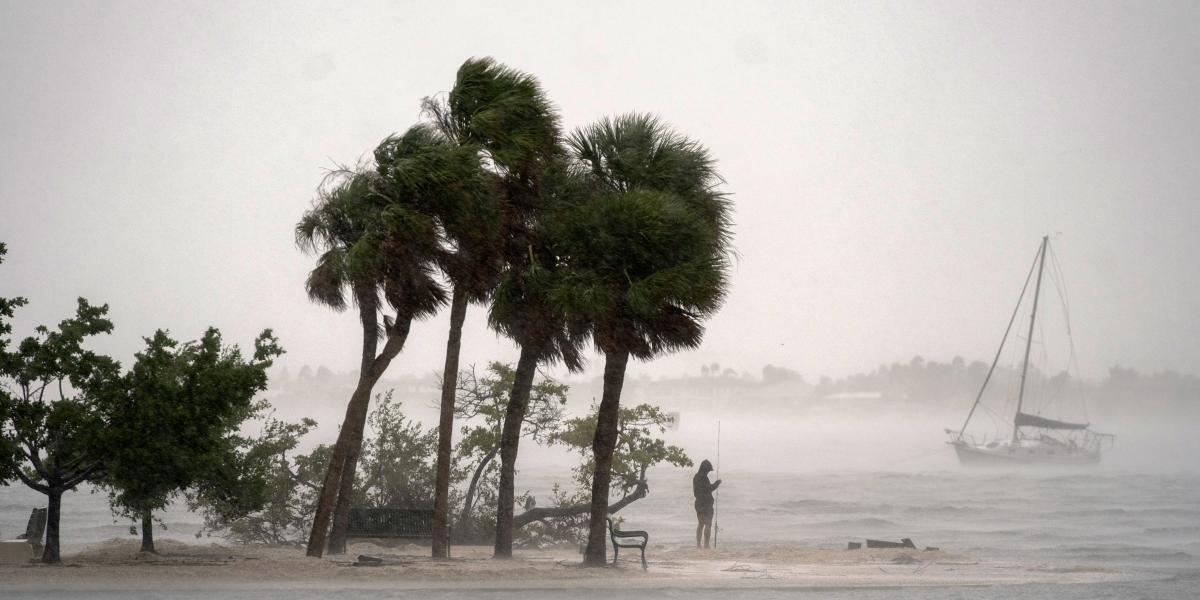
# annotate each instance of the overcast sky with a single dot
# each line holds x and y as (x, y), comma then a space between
(893, 165)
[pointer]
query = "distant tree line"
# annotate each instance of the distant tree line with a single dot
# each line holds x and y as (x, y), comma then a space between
(949, 383)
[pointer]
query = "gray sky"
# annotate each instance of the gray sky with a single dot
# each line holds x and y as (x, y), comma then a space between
(893, 165)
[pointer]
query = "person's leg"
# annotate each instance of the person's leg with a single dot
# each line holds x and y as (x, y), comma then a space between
(707, 529)
(699, 527)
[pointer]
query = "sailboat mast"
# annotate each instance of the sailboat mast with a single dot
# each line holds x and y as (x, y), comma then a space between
(1037, 291)
(1000, 350)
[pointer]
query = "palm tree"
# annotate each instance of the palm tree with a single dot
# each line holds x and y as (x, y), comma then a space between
(462, 196)
(521, 309)
(645, 261)
(372, 249)
(505, 113)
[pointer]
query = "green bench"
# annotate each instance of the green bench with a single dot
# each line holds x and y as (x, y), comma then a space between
(397, 523)
(627, 539)
(35, 530)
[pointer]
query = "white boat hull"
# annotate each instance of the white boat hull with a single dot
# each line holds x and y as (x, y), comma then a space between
(1004, 454)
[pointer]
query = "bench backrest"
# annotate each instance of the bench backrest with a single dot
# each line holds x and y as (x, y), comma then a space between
(36, 527)
(414, 523)
(613, 528)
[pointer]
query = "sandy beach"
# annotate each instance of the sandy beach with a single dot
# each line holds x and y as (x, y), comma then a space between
(118, 564)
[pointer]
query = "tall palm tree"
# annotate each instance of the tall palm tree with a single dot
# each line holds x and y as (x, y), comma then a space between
(372, 249)
(464, 199)
(505, 113)
(645, 261)
(522, 310)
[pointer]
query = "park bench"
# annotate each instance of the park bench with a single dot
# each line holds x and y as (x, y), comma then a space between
(396, 523)
(627, 539)
(35, 530)
(27, 545)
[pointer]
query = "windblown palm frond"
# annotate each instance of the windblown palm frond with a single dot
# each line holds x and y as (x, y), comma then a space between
(506, 112)
(369, 241)
(646, 254)
(641, 268)
(640, 151)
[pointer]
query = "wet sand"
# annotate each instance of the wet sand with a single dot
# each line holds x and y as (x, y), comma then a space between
(119, 565)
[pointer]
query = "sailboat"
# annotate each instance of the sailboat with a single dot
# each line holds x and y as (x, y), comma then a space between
(1035, 439)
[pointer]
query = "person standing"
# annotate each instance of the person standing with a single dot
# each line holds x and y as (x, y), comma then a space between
(703, 491)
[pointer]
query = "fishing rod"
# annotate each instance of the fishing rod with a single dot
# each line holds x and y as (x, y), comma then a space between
(717, 494)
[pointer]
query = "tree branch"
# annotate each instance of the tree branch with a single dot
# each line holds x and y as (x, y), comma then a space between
(297, 479)
(32, 484)
(558, 512)
(81, 477)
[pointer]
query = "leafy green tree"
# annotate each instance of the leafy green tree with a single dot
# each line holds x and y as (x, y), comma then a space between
(638, 447)
(10, 452)
(283, 482)
(645, 262)
(54, 398)
(373, 246)
(175, 425)
(396, 470)
(482, 403)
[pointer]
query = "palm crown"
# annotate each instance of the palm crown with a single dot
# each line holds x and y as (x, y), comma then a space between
(371, 239)
(647, 251)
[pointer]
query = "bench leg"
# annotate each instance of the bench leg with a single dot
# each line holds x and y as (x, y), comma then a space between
(644, 567)
(616, 553)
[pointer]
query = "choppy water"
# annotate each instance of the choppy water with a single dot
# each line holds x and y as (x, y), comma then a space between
(1145, 522)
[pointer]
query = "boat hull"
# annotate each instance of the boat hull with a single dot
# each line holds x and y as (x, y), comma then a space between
(1004, 455)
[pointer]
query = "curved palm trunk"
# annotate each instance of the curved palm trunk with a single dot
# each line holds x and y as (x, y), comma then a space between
(510, 438)
(603, 446)
(348, 438)
(441, 497)
(345, 491)
(342, 464)
(147, 533)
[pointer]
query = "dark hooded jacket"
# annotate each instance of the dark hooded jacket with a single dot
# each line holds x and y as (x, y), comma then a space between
(702, 489)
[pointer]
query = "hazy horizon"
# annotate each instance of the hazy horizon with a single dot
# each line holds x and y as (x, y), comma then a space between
(893, 167)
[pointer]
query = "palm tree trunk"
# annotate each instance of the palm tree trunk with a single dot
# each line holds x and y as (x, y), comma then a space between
(351, 436)
(356, 411)
(50, 553)
(603, 446)
(441, 495)
(345, 493)
(510, 438)
(147, 533)
(341, 514)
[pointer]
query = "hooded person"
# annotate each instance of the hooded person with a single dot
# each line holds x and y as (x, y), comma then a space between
(703, 491)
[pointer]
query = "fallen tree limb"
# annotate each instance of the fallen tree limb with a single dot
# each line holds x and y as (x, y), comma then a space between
(558, 512)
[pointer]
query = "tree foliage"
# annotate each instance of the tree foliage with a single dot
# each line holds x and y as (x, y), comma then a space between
(56, 398)
(174, 426)
(397, 464)
(482, 404)
(284, 492)
(639, 446)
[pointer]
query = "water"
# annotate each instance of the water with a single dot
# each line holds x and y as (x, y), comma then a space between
(1148, 523)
